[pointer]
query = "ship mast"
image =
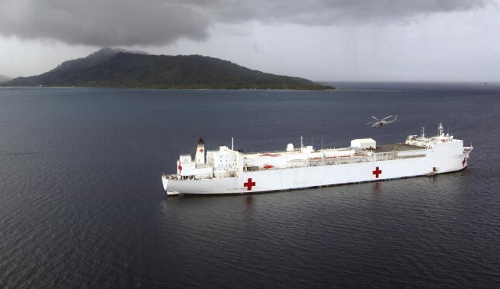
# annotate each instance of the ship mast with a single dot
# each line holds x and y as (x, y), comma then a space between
(440, 129)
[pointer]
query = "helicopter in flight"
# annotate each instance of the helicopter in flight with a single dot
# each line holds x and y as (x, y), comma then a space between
(383, 121)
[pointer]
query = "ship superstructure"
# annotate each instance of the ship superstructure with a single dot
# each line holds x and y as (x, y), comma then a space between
(228, 171)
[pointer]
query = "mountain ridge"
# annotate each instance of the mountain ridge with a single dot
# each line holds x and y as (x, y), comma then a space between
(109, 67)
(4, 78)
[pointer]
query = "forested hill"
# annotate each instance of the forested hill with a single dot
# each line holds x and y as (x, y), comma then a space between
(114, 68)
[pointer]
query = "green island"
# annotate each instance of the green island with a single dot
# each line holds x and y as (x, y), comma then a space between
(117, 68)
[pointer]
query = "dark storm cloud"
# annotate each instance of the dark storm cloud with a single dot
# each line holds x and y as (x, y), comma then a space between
(329, 12)
(102, 22)
(156, 22)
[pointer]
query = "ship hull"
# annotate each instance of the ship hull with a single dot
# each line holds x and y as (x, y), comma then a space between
(318, 176)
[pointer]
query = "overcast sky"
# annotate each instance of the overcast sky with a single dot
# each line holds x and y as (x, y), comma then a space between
(322, 40)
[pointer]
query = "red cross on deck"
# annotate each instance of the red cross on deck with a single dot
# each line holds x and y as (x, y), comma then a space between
(377, 172)
(249, 184)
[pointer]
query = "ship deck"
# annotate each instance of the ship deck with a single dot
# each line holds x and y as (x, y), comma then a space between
(398, 147)
(389, 148)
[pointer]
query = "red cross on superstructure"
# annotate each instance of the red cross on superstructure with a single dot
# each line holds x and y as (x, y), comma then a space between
(179, 167)
(464, 162)
(249, 184)
(201, 150)
(377, 172)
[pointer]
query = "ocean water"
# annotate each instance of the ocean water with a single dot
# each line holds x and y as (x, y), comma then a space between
(82, 205)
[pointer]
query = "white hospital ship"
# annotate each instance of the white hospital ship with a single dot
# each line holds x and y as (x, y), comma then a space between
(228, 171)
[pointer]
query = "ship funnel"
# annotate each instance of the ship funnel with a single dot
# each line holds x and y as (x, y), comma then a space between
(200, 152)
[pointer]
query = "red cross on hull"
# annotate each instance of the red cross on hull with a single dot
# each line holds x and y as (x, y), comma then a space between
(249, 184)
(377, 172)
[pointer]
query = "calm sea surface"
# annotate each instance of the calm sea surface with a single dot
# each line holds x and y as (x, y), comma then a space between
(82, 205)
